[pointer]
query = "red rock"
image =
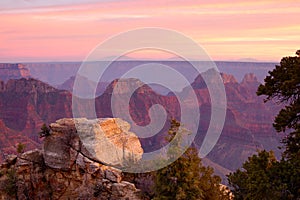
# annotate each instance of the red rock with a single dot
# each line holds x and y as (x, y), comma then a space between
(13, 71)
(26, 104)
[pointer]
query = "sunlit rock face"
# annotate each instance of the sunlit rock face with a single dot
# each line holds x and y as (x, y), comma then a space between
(107, 140)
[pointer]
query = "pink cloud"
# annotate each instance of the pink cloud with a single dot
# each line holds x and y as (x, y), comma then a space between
(265, 30)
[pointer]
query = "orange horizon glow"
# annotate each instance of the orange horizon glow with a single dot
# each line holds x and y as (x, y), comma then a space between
(227, 30)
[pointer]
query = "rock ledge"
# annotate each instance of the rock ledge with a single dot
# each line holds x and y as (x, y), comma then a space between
(65, 169)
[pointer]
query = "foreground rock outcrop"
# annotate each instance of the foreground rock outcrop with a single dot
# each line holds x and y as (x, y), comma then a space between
(106, 140)
(65, 169)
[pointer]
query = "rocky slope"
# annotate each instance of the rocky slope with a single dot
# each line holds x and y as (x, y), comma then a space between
(248, 124)
(65, 169)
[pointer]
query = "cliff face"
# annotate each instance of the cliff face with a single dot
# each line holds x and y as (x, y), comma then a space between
(64, 169)
(248, 123)
(13, 71)
(26, 104)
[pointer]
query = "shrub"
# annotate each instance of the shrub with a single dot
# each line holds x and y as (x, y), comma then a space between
(45, 131)
(21, 147)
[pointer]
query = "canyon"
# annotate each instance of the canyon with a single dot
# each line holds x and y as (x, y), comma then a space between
(26, 103)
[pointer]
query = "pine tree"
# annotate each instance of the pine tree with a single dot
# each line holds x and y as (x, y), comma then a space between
(256, 180)
(186, 178)
(283, 85)
(45, 131)
(262, 177)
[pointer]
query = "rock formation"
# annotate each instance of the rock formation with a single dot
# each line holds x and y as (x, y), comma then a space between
(64, 169)
(250, 77)
(13, 71)
(106, 140)
(228, 78)
(26, 104)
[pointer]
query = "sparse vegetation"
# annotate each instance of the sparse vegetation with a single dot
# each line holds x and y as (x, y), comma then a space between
(45, 131)
(21, 147)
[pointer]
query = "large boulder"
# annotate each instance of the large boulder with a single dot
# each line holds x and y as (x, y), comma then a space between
(107, 141)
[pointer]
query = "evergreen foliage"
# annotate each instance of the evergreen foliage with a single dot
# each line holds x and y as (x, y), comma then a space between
(45, 131)
(256, 180)
(262, 177)
(186, 178)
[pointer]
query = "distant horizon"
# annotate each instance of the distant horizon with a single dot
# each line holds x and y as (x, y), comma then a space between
(133, 59)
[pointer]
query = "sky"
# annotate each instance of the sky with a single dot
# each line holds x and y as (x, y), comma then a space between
(68, 30)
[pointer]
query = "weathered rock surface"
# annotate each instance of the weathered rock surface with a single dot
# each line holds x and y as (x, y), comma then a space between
(64, 169)
(107, 140)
